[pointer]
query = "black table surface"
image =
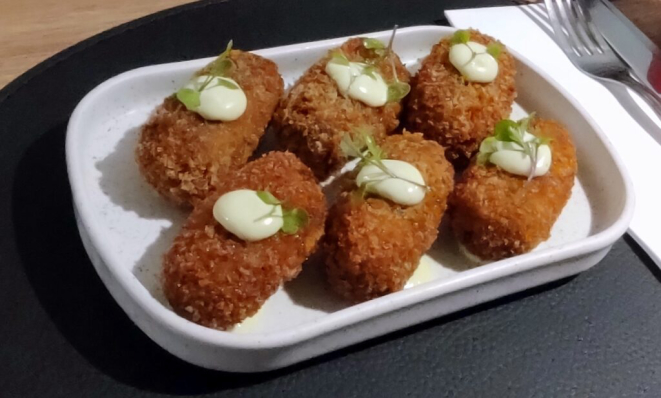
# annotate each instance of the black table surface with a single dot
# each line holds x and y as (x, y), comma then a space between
(61, 334)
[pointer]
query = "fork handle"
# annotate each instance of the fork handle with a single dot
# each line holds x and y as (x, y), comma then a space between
(645, 93)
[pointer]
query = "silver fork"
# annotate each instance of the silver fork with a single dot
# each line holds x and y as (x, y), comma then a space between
(587, 49)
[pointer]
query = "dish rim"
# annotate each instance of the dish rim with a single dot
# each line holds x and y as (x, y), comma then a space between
(354, 314)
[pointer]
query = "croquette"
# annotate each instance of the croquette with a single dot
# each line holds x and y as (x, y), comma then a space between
(456, 113)
(312, 119)
(183, 156)
(374, 245)
(496, 214)
(213, 278)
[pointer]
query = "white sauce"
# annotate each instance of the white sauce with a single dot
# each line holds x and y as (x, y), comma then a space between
(473, 62)
(350, 81)
(243, 213)
(218, 102)
(509, 157)
(396, 189)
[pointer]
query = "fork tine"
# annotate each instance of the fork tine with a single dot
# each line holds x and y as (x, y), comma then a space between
(569, 23)
(592, 31)
(580, 26)
(561, 33)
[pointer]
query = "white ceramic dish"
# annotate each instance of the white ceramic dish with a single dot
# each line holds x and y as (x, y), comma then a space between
(126, 227)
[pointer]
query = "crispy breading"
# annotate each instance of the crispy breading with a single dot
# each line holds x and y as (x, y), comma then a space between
(496, 214)
(457, 113)
(216, 279)
(184, 156)
(312, 119)
(373, 245)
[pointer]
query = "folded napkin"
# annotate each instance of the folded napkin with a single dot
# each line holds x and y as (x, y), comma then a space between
(526, 30)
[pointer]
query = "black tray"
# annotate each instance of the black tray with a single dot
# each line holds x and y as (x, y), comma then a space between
(598, 334)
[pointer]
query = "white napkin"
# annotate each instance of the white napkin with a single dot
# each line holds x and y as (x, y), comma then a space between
(522, 28)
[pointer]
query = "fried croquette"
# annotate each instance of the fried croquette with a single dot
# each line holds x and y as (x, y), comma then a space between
(496, 214)
(213, 278)
(456, 113)
(183, 156)
(312, 119)
(374, 245)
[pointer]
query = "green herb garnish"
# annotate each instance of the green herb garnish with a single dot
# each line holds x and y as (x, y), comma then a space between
(510, 131)
(364, 147)
(375, 45)
(396, 90)
(369, 71)
(217, 70)
(460, 37)
(189, 97)
(292, 219)
(494, 49)
(338, 56)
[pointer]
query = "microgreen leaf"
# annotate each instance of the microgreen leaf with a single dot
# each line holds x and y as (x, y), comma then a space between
(460, 36)
(525, 123)
(189, 97)
(369, 70)
(268, 198)
(338, 57)
(372, 44)
(227, 83)
(349, 147)
(226, 53)
(507, 131)
(494, 49)
(375, 45)
(398, 90)
(220, 67)
(374, 151)
(293, 220)
(544, 140)
(483, 158)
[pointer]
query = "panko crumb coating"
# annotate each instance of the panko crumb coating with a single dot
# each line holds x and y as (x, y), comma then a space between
(312, 119)
(457, 113)
(496, 214)
(374, 245)
(213, 278)
(183, 156)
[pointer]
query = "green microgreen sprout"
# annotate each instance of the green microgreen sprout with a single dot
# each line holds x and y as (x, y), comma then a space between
(375, 45)
(494, 49)
(396, 90)
(292, 218)
(215, 71)
(338, 56)
(364, 147)
(461, 37)
(510, 131)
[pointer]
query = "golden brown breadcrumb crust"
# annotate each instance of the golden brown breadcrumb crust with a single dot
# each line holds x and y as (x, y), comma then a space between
(457, 113)
(312, 119)
(216, 279)
(373, 245)
(184, 156)
(496, 214)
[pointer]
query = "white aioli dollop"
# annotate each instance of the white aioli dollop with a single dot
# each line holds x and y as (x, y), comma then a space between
(396, 189)
(509, 157)
(218, 102)
(244, 214)
(350, 81)
(474, 62)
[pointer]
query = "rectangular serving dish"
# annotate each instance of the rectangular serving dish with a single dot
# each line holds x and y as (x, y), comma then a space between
(126, 227)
